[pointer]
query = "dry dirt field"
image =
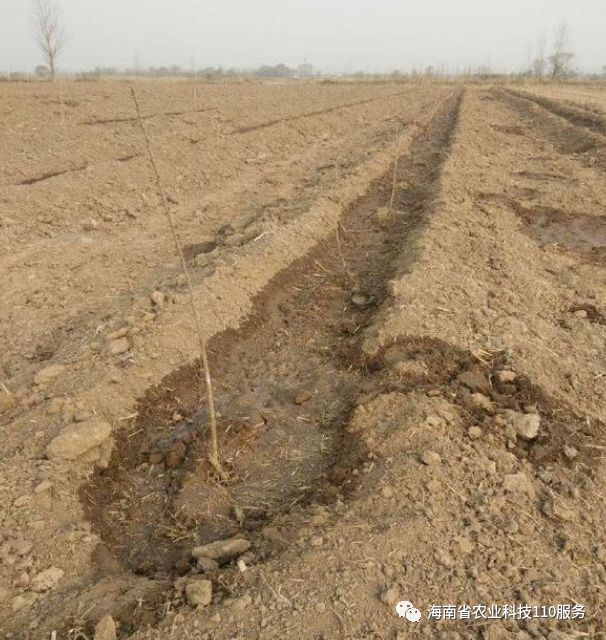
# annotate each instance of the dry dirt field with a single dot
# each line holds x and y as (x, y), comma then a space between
(408, 359)
(592, 97)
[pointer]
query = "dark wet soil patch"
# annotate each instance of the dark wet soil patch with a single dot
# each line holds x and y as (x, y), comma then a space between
(487, 388)
(589, 311)
(580, 233)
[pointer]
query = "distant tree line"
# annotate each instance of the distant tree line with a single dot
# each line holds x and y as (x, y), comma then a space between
(208, 73)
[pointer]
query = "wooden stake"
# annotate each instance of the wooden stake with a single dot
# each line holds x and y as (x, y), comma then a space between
(205, 369)
(395, 169)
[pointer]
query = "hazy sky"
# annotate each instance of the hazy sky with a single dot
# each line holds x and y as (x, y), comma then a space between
(371, 35)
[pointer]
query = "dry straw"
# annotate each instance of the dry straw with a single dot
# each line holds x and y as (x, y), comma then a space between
(205, 369)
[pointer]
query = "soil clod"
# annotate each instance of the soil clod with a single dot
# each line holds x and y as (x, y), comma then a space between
(199, 593)
(222, 550)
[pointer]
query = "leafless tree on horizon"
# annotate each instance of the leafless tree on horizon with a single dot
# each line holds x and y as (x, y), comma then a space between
(560, 58)
(48, 31)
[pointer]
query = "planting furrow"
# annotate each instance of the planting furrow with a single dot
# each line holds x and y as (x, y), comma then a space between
(85, 166)
(569, 136)
(149, 116)
(575, 114)
(309, 114)
(296, 117)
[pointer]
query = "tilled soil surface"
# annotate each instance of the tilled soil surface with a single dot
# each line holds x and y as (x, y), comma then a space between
(585, 97)
(408, 361)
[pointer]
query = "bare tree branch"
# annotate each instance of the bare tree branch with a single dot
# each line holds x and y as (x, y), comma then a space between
(49, 33)
(561, 58)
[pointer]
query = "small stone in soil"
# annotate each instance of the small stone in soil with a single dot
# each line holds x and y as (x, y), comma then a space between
(55, 407)
(430, 458)
(202, 259)
(23, 602)
(570, 452)
(105, 629)
(443, 558)
(389, 597)
(120, 333)
(556, 509)
(119, 346)
(361, 300)
(518, 483)
(303, 396)
(75, 440)
(475, 381)
(505, 376)
(47, 579)
(199, 593)
(207, 564)
(526, 425)
(22, 547)
(239, 604)
(158, 298)
(474, 433)
(222, 550)
(49, 373)
(6, 402)
(480, 401)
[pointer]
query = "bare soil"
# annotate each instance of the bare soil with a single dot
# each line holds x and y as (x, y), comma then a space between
(411, 398)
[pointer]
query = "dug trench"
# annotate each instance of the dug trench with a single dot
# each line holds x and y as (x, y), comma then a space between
(570, 135)
(574, 113)
(286, 382)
